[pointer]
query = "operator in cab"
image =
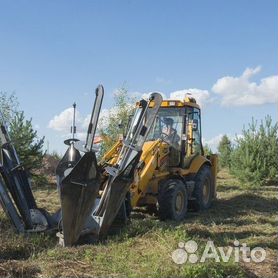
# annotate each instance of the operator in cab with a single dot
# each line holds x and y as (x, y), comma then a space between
(170, 133)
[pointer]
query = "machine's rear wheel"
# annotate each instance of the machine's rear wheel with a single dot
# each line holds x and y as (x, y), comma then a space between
(172, 200)
(203, 190)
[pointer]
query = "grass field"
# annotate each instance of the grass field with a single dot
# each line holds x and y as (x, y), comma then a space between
(144, 247)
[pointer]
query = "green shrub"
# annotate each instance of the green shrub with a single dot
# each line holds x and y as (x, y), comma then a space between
(225, 150)
(8, 105)
(27, 144)
(255, 157)
(116, 120)
(207, 150)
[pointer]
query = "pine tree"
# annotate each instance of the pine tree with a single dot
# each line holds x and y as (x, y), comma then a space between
(8, 105)
(207, 150)
(27, 144)
(116, 120)
(225, 150)
(255, 158)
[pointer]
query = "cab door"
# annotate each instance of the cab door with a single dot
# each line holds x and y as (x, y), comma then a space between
(193, 143)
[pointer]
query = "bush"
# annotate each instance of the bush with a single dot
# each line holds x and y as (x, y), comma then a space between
(255, 157)
(50, 163)
(117, 116)
(8, 105)
(207, 150)
(225, 150)
(27, 144)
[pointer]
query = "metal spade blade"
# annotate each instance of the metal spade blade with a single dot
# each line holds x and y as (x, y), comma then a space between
(69, 160)
(115, 196)
(122, 174)
(78, 190)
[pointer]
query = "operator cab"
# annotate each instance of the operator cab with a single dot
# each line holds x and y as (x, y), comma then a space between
(178, 123)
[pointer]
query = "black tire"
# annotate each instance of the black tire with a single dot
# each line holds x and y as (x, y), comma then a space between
(203, 189)
(172, 200)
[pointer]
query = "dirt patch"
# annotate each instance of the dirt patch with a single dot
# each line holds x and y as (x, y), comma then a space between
(268, 268)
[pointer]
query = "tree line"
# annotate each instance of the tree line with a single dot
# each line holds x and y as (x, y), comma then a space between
(253, 157)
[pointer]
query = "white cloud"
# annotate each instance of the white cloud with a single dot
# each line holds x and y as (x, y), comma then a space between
(85, 122)
(135, 95)
(235, 91)
(201, 96)
(240, 91)
(213, 142)
(147, 95)
(104, 116)
(63, 121)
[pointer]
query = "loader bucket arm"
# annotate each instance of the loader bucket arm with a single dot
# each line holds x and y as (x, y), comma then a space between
(121, 175)
(79, 180)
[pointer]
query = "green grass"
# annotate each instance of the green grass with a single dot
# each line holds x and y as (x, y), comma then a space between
(144, 247)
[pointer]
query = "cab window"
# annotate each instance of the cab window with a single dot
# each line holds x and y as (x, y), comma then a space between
(168, 126)
(193, 132)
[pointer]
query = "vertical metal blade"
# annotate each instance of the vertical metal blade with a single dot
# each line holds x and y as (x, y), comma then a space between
(120, 176)
(78, 190)
(9, 207)
(115, 196)
(13, 182)
(94, 117)
(79, 184)
(69, 160)
(15, 189)
(15, 177)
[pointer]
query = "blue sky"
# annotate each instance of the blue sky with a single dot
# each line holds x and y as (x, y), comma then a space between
(55, 52)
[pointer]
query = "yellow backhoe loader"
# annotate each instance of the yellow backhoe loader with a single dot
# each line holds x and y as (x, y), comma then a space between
(160, 163)
(173, 173)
